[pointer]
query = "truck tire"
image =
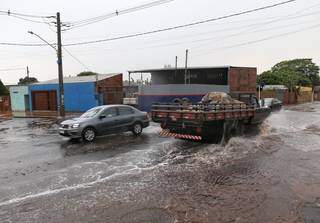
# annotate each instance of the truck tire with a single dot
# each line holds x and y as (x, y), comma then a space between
(213, 132)
(88, 134)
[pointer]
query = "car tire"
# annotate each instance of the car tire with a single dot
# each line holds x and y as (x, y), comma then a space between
(88, 134)
(137, 128)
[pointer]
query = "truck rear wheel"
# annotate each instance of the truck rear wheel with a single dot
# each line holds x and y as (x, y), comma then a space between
(213, 132)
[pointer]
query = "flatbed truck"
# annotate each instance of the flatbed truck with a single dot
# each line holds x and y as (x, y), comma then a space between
(207, 122)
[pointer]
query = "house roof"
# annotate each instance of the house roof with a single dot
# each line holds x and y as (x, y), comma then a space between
(182, 68)
(76, 79)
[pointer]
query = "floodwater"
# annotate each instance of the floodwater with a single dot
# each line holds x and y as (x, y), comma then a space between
(269, 174)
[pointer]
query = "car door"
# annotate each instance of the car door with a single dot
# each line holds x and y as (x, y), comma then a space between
(108, 121)
(126, 118)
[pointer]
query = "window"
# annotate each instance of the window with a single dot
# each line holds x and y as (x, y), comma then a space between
(125, 111)
(110, 112)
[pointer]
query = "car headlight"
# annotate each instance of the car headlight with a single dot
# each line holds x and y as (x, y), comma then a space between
(75, 125)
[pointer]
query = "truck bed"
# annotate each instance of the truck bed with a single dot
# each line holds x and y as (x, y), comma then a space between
(200, 112)
(207, 122)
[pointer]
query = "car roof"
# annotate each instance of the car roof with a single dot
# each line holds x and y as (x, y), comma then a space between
(112, 106)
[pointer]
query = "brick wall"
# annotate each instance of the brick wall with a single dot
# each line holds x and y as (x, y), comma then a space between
(285, 96)
(5, 104)
(111, 89)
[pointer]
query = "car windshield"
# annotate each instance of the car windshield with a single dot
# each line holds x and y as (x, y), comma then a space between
(91, 113)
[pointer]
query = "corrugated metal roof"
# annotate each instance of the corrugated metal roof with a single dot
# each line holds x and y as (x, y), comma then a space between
(274, 87)
(84, 79)
(182, 68)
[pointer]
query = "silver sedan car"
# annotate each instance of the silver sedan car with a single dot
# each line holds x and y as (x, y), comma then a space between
(105, 120)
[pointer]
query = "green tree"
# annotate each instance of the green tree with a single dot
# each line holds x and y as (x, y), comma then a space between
(269, 77)
(307, 71)
(27, 80)
(3, 89)
(86, 73)
(292, 73)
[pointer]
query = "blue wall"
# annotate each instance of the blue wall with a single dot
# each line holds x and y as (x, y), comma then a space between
(146, 101)
(149, 94)
(78, 97)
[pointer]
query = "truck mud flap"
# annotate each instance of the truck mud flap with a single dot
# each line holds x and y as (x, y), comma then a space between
(167, 133)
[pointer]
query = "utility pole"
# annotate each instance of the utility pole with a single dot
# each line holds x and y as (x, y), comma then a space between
(28, 72)
(60, 69)
(186, 67)
(176, 67)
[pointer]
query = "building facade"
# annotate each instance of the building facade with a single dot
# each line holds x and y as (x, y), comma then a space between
(20, 100)
(80, 95)
(170, 83)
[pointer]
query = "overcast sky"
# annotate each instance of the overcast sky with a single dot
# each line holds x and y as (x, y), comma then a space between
(210, 44)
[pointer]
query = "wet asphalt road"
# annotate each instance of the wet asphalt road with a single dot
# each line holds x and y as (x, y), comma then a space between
(271, 174)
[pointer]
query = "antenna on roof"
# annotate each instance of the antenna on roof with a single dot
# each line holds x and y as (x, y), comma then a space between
(28, 72)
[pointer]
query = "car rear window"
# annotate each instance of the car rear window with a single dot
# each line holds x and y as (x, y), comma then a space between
(125, 111)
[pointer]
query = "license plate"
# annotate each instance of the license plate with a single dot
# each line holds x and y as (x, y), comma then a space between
(62, 132)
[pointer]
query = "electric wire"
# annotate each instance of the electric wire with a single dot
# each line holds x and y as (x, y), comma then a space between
(29, 20)
(86, 22)
(211, 51)
(160, 30)
(76, 59)
(245, 31)
(181, 26)
(12, 69)
(23, 44)
(24, 15)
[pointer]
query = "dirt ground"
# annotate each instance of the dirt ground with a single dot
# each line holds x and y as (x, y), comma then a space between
(269, 174)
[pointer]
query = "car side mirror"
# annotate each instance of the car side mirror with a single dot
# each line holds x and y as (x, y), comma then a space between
(102, 117)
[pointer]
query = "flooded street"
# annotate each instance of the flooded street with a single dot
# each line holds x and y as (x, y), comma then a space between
(271, 174)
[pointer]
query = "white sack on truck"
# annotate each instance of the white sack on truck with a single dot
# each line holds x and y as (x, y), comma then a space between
(219, 98)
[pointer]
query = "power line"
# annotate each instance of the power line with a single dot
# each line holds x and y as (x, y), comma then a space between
(29, 20)
(24, 15)
(12, 69)
(261, 40)
(115, 14)
(266, 21)
(23, 44)
(161, 30)
(181, 26)
(217, 38)
(76, 59)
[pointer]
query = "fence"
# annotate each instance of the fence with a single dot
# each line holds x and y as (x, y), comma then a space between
(283, 95)
(304, 95)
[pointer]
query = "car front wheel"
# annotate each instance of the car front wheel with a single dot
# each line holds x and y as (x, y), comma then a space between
(137, 129)
(88, 134)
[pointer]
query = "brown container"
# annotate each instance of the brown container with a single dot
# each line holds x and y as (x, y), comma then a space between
(111, 89)
(242, 80)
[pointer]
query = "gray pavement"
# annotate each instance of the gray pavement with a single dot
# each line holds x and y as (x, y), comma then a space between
(270, 174)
